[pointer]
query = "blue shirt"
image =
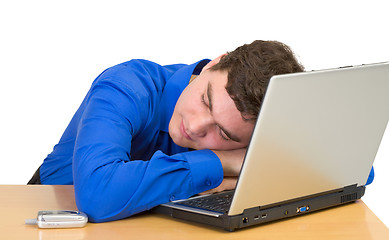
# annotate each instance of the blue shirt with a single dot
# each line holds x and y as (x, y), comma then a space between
(117, 151)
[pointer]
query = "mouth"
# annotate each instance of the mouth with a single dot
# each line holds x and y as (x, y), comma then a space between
(183, 132)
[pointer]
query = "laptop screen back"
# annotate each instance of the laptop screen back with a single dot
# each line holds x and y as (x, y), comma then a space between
(316, 132)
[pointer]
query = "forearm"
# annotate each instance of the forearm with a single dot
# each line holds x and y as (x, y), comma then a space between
(119, 189)
(231, 161)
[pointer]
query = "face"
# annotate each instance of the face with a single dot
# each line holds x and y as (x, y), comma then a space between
(205, 116)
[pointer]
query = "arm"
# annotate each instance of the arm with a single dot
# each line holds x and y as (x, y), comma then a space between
(108, 186)
(231, 161)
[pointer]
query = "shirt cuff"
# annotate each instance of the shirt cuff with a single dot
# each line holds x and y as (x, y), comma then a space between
(206, 169)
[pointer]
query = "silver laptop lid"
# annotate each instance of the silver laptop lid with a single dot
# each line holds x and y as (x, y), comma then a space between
(317, 131)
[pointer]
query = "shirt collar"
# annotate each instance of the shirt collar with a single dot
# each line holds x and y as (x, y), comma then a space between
(173, 89)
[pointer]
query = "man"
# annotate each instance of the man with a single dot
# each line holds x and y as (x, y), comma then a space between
(147, 134)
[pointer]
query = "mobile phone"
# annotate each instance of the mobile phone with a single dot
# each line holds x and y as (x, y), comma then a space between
(59, 219)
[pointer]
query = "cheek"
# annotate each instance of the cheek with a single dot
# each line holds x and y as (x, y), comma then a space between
(215, 142)
(187, 104)
(208, 142)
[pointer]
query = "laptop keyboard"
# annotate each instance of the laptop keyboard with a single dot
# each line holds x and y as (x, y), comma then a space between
(216, 202)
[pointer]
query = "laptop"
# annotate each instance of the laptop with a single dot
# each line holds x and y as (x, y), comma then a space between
(313, 147)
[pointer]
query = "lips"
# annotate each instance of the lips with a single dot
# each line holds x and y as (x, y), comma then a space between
(183, 132)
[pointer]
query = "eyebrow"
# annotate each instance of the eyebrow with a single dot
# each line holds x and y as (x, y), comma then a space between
(231, 136)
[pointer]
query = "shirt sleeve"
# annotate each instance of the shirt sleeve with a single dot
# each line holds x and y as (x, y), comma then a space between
(108, 186)
(371, 176)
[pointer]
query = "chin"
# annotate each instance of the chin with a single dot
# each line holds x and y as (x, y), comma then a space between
(177, 138)
(182, 142)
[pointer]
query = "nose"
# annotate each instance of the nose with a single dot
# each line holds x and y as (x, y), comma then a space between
(199, 125)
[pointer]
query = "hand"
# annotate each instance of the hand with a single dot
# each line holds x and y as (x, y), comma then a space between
(228, 183)
(231, 160)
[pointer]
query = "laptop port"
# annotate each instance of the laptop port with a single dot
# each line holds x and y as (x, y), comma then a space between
(245, 220)
(264, 216)
(302, 209)
(256, 218)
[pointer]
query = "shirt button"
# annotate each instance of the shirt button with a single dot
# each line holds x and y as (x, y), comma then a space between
(172, 198)
(208, 182)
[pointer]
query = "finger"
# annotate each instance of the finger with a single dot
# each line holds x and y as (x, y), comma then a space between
(228, 183)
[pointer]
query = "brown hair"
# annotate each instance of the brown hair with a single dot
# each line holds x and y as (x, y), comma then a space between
(250, 68)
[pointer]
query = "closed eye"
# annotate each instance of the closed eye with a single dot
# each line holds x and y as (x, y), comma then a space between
(224, 135)
(203, 100)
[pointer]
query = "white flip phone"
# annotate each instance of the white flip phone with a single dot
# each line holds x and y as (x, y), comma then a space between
(59, 219)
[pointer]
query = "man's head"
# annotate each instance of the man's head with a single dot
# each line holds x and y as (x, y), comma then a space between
(218, 109)
(250, 68)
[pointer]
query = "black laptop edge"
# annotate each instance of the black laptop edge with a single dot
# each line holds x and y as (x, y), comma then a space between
(260, 215)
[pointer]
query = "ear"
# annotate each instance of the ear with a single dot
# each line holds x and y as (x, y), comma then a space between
(213, 62)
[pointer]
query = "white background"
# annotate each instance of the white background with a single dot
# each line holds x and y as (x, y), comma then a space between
(51, 51)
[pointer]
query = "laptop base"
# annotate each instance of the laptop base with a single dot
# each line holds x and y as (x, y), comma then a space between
(259, 215)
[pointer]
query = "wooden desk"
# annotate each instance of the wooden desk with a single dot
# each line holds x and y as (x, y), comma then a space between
(17, 203)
